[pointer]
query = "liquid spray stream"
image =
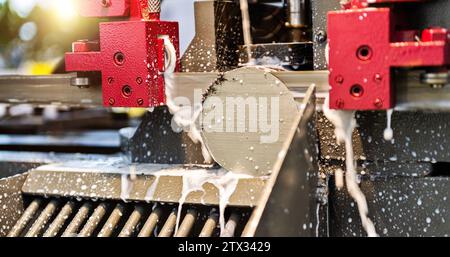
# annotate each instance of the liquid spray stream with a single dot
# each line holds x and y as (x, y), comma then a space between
(344, 122)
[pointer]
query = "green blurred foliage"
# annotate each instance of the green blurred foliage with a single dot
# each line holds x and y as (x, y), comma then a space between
(52, 40)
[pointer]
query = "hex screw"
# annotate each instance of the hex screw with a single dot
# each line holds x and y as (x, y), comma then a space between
(321, 36)
(340, 103)
(339, 79)
(106, 3)
(378, 78)
(378, 103)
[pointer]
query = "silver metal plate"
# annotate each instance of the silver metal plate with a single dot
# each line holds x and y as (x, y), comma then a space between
(246, 118)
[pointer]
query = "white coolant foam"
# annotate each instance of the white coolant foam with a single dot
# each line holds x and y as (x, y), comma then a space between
(345, 122)
(223, 180)
(126, 182)
(388, 133)
(339, 178)
(194, 180)
(183, 116)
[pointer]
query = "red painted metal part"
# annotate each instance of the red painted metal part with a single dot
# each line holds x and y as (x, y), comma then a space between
(365, 3)
(133, 9)
(130, 54)
(104, 8)
(363, 50)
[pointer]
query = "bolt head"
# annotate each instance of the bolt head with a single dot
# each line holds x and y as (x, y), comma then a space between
(339, 79)
(340, 103)
(378, 103)
(377, 78)
(321, 37)
(106, 3)
(140, 101)
(80, 46)
(111, 101)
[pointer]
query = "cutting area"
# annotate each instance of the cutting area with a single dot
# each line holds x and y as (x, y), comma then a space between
(224, 118)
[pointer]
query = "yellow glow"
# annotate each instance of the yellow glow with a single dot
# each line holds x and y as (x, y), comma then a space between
(40, 68)
(65, 9)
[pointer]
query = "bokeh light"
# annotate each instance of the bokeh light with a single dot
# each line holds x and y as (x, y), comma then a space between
(28, 31)
(65, 10)
(23, 8)
(35, 34)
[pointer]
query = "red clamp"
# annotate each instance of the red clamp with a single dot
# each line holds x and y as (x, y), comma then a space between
(364, 47)
(349, 4)
(130, 54)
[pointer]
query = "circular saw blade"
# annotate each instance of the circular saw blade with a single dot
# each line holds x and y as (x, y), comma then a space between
(246, 118)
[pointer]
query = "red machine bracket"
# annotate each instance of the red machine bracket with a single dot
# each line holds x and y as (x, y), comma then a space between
(130, 55)
(364, 47)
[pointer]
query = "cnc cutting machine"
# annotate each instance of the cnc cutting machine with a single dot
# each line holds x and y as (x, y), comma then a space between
(269, 176)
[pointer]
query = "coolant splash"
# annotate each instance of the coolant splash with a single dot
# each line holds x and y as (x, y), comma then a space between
(194, 180)
(388, 133)
(184, 116)
(344, 122)
(126, 183)
(339, 178)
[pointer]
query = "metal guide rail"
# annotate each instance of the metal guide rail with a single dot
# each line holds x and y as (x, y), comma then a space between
(411, 93)
(51, 89)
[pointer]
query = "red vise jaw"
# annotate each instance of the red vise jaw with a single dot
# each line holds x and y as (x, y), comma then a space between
(363, 49)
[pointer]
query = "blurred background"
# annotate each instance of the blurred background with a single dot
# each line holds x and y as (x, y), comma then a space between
(35, 34)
